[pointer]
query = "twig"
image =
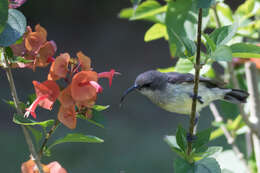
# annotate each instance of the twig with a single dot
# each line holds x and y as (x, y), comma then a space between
(230, 139)
(18, 109)
(254, 101)
(196, 82)
(48, 135)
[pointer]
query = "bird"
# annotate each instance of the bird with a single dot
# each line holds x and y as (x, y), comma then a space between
(173, 91)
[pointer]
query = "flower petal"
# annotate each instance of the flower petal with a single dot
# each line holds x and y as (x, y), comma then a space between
(49, 88)
(31, 109)
(67, 116)
(84, 61)
(99, 89)
(30, 167)
(81, 89)
(61, 65)
(65, 97)
(55, 167)
(46, 51)
(16, 3)
(108, 75)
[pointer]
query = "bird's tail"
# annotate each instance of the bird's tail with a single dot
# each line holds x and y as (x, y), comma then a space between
(236, 96)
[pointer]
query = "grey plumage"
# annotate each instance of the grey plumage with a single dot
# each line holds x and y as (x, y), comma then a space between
(173, 91)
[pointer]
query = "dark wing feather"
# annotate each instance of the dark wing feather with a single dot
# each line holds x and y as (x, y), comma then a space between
(177, 78)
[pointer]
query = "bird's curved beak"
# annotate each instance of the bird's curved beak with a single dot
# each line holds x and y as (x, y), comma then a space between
(129, 90)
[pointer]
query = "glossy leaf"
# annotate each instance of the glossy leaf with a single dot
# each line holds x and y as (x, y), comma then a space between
(222, 53)
(177, 26)
(211, 151)
(210, 45)
(223, 35)
(36, 133)
(126, 13)
(180, 166)
(97, 119)
(135, 2)
(100, 107)
(181, 138)
(190, 47)
(14, 28)
(244, 50)
(245, 8)
(3, 14)
(202, 138)
(171, 141)
(204, 3)
(207, 165)
(19, 119)
(148, 9)
(76, 137)
(157, 31)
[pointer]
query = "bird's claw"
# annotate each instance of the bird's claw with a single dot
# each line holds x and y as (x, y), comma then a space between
(190, 137)
(199, 98)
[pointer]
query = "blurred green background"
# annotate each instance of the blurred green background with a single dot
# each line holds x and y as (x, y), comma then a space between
(134, 133)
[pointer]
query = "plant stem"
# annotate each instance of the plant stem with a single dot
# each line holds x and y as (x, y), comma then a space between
(48, 135)
(254, 101)
(19, 111)
(197, 67)
(230, 139)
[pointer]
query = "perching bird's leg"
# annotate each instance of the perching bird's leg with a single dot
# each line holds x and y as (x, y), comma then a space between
(199, 98)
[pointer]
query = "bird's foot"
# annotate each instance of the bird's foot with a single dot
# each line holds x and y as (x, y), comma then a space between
(199, 98)
(190, 137)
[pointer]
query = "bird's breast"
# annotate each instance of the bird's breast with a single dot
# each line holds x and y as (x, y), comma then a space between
(177, 97)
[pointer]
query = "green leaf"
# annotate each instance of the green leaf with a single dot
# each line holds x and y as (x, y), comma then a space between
(182, 166)
(202, 138)
(244, 50)
(211, 151)
(166, 70)
(148, 9)
(135, 2)
(207, 165)
(204, 3)
(20, 59)
(155, 32)
(245, 8)
(126, 13)
(222, 53)
(3, 14)
(100, 107)
(224, 34)
(181, 137)
(19, 119)
(190, 47)
(14, 28)
(11, 103)
(36, 133)
(177, 27)
(184, 66)
(211, 46)
(171, 141)
(97, 119)
(77, 137)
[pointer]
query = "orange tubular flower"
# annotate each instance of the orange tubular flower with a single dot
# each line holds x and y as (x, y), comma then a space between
(49, 88)
(34, 40)
(59, 67)
(84, 61)
(53, 167)
(108, 75)
(81, 88)
(46, 51)
(65, 97)
(67, 116)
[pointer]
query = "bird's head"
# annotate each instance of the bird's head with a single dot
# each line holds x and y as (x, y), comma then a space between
(147, 82)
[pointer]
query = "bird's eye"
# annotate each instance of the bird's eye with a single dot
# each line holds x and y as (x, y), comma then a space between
(147, 85)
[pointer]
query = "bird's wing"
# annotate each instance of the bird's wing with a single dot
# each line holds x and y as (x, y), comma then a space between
(177, 78)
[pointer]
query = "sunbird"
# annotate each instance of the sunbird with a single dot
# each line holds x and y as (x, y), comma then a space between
(173, 91)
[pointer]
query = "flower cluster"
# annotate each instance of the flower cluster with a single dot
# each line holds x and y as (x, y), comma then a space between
(80, 93)
(34, 48)
(31, 167)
